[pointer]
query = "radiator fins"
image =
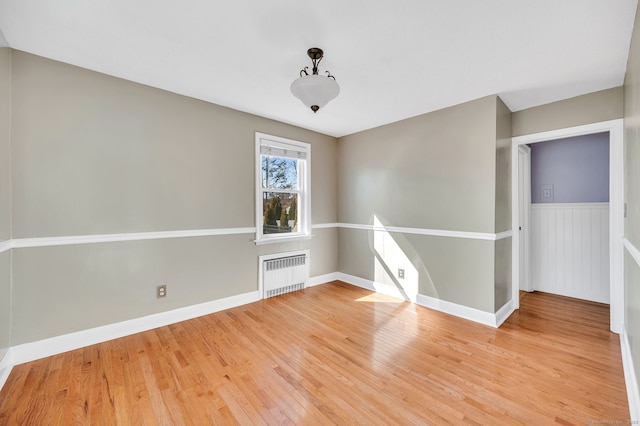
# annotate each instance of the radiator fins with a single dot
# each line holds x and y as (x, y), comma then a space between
(283, 290)
(285, 263)
(285, 275)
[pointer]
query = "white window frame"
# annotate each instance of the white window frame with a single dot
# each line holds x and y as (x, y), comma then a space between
(304, 183)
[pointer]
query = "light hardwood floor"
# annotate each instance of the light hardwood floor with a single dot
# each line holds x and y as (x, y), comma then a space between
(336, 354)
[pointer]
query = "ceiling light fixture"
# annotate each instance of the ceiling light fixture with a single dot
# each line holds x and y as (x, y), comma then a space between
(314, 90)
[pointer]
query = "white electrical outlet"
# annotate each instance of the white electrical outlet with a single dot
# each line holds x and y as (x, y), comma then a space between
(401, 273)
(161, 291)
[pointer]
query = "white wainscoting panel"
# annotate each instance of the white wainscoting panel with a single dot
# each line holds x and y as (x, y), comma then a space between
(570, 249)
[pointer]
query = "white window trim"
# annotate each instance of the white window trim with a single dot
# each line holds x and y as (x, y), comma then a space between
(304, 213)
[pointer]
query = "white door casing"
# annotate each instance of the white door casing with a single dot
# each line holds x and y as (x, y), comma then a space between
(616, 209)
(524, 201)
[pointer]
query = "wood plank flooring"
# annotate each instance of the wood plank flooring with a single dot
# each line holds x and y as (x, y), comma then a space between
(336, 354)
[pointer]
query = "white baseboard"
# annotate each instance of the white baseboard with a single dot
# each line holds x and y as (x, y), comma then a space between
(630, 378)
(476, 315)
(323, 279)
(55, 345)
(504, 313)
(460, 311)
(371, 285)
(6, 365)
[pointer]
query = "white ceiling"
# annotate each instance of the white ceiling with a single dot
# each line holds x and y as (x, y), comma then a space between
(392, 59)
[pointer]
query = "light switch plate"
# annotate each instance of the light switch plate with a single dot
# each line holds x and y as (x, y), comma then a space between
(547, 193)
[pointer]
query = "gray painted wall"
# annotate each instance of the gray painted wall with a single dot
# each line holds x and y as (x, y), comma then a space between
(502, 248)
(503, 167)
(591, 108)
(576, 167)
(429, 171)
(632, 193)
(5, 144)
(5, 198)
(111, 156)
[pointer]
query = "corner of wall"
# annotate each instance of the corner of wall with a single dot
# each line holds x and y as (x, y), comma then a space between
(502, 220)
(3, 40)
(6, 279)
(630, 378)
(631, 105)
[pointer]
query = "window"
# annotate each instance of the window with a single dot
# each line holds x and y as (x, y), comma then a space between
(282, 189)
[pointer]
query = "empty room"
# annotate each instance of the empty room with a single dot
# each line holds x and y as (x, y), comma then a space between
(330, 213)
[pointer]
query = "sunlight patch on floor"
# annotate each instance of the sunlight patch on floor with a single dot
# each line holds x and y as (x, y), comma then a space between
(379, 298)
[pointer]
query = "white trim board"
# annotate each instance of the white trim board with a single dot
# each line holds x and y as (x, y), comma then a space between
(370, 285)
(325, 225)
(138, 236)
(465, 312)
(131, 236)
(633, 251)
(471, 314)
(504, 313)
(569, 205)
(6, 364)
(504, 234)
(6, 245)
(323, 279)
(633, 395)
(430, 232)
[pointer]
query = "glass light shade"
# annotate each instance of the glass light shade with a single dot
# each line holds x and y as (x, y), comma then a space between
(315, 90)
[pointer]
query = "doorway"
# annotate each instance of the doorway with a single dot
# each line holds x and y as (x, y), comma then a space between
(521, 242)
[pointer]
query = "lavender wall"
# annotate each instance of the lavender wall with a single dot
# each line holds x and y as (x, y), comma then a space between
(571, 170)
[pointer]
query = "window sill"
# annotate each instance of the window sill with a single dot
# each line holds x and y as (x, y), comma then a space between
(287, 239)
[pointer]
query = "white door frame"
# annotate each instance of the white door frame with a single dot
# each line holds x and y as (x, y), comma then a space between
(524, 200)
(616, 210)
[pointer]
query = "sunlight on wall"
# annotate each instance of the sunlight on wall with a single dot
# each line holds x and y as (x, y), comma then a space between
(389, 258)
(393, 252)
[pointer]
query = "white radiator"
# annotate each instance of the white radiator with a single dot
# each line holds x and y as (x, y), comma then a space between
(285, 274)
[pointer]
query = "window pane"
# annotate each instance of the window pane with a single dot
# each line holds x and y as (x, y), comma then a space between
(279, 213)
(279, 172)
